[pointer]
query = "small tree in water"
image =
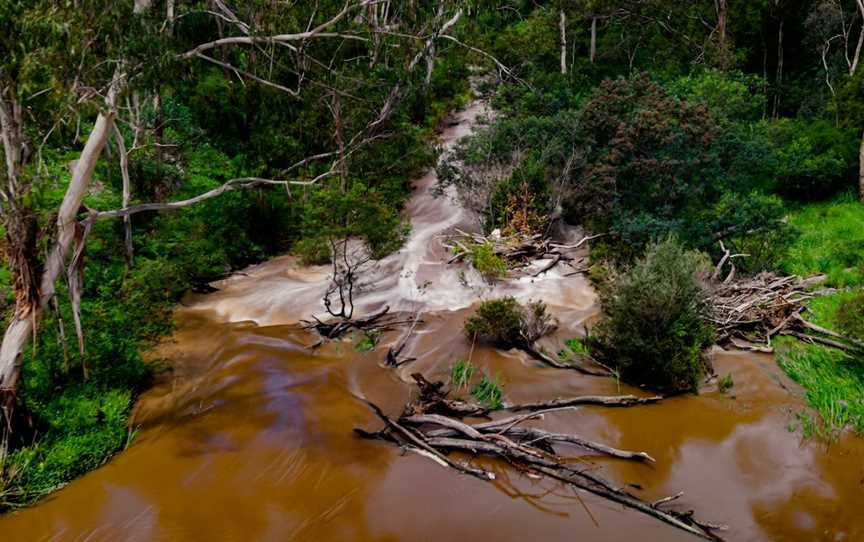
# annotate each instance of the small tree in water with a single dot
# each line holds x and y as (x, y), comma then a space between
(506, 323)
(653, 329)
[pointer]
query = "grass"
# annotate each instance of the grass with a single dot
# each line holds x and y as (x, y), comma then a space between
(834, 383)
(461, 374)
(726, 383)
(831, 241)
(85, 428)
(573, 347)
(488, 391)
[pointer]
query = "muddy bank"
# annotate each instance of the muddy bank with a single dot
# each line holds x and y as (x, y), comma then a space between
(251, 436)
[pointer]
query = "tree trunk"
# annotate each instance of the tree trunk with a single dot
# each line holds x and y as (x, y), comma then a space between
(142, 5)
(22, 326)
(861, 169)
(593, 53)
(124, 172)
(857, 55)
(11, 132)
(779, 78)
(562, 25)
(722, 18)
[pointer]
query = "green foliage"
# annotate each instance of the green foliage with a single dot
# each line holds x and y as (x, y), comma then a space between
(812, 159)
(484, 260)
(653, 329)
(732, 95)
(369, 341)
(313, 251)
(505, 322)
(850, 316)
(726, 383)
(498, 321)
(574, 346)
(754, 224)
(831, 242)
(360, 211)
(527, 192)
(461, 374)
(834, 383)
(84, 427)
(488, 391)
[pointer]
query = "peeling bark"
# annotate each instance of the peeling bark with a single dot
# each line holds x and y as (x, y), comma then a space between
(22, 326)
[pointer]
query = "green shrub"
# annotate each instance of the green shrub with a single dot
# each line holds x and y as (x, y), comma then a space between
(504, 322)
(850, 316)
(484, 260)
(312, 251)
(653, 329)
(574, 346)
(522, 201)
(497, 321)
(728, 95)
(726, 383)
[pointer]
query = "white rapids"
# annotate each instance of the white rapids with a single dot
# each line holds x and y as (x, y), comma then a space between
(416, 278)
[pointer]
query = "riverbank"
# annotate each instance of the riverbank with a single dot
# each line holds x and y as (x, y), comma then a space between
(831, 242)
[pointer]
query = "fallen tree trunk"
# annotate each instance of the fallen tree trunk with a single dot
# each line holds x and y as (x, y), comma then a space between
(423, 430)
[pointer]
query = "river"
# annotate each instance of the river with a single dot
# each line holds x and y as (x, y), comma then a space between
(250, 436)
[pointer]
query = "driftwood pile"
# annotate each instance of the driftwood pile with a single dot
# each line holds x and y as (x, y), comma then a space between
(749, 312)
(519, 250)
(434, 425)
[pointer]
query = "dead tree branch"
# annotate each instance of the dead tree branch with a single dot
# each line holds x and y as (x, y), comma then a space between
(423, 429)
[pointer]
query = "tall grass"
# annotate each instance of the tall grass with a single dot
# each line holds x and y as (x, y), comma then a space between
(461, 374)
(831, 241)
(488, 391)
(834, 383)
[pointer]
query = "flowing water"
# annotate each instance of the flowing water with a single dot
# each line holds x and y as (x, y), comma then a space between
(250, 437)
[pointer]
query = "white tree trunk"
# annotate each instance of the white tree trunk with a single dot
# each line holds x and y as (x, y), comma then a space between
(142, 5)
(593, 53)
(22, 326)
(562, 25)
(857, 56)
(127, 193)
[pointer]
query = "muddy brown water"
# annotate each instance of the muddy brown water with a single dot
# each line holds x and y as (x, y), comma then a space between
(250, 437)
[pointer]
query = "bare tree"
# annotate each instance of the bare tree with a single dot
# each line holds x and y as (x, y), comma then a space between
(349, 263)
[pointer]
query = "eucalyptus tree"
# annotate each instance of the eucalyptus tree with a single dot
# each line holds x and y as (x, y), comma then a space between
(70, 66)
(62, 64)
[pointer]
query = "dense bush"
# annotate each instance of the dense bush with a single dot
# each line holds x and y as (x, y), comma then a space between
(727, 95)
(521, 202)
(653, 329)
(507, 323)
(812, 159)
(497, 321)
(646, 160)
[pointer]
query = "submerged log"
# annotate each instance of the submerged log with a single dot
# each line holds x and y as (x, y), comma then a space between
(422, 429)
